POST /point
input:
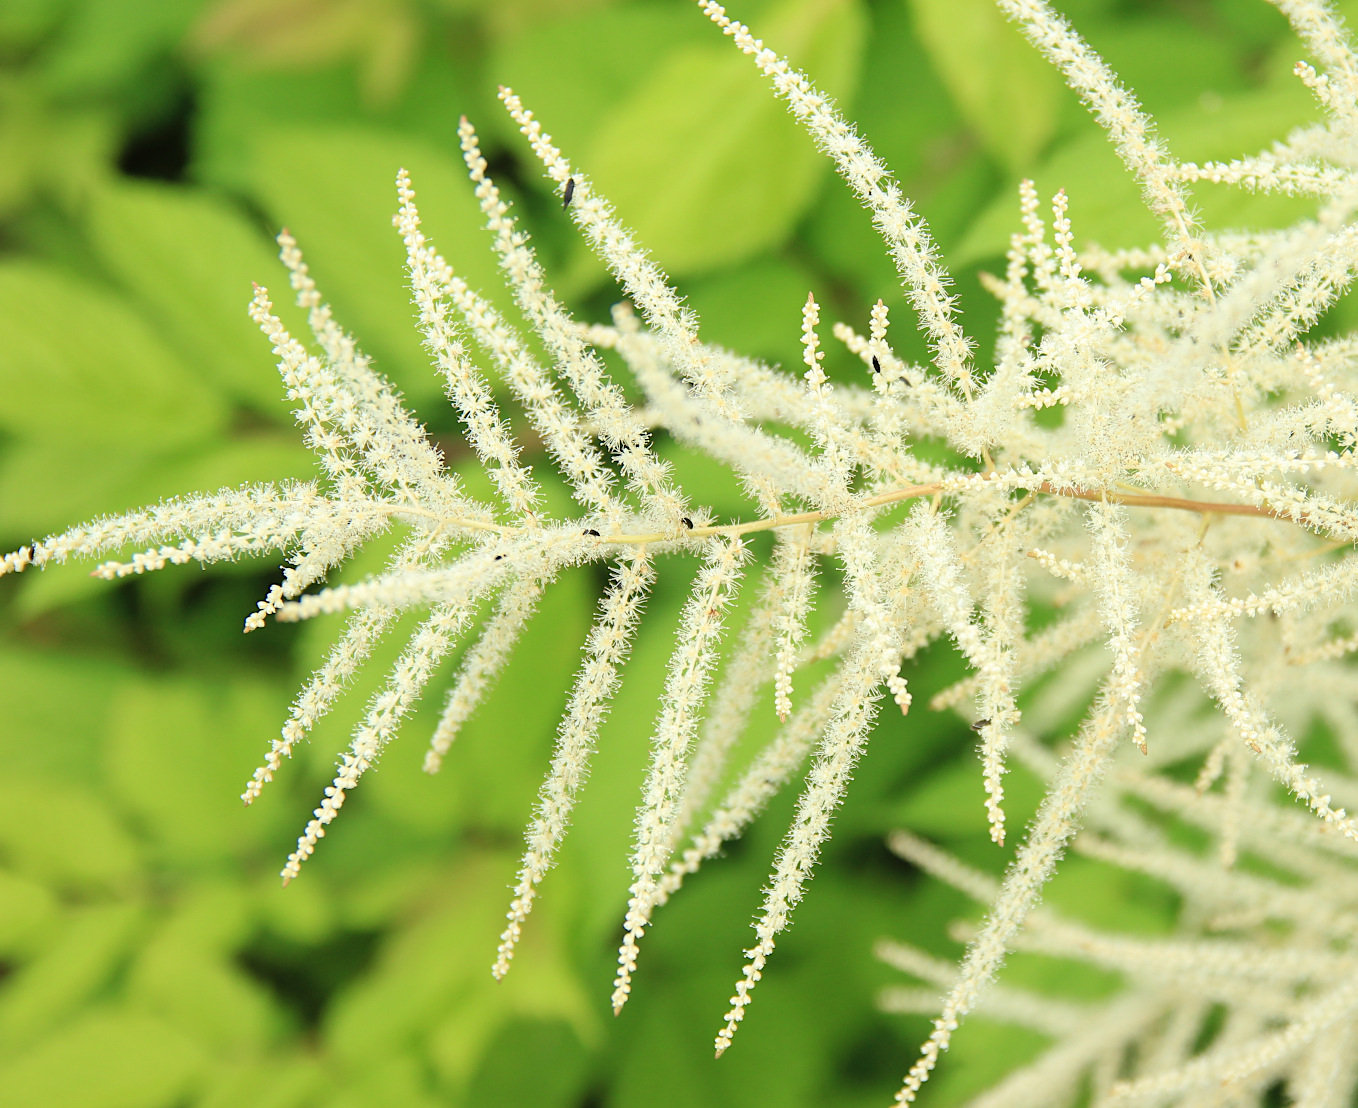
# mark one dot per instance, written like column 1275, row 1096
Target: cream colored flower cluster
column 1189, row 511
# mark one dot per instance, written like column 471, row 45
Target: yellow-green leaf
column 89, row 946
column 189, row 259
column 1009, row 94
column 79, row 365
column 28, row 911
column 64, row 835
column 109, row 1059
column 205, row 996
column 703, row 161
column 178, row 756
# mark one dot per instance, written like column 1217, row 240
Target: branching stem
column 893, row 496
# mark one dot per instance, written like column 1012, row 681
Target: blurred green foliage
column 148, row 150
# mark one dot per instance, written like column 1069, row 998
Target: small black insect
column 980, row 725
column 498, row 557
column 876, row 365
column 591, row 531
column 687, row 522
column 570, row 191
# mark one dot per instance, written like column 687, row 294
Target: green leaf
column 661, row 1055
column 78, row 365
column 702, row 161
column 91, row 944
column 48, row 733
column 190, row 259
column 114, row 1058
column 396, row 1079
column 980, row 1054
column 1008, row 93
column 543, row 997
column 205, row 996
column 44, row 149
column 756, row 309
column 590, row 871
column 1164, row 57
column 785, row 1055
column 26, row 22
column 302, row 912
column 430, row 986
column 426, row 969
column 335, row 188
column 619, row 49
column 920, row 146
column 555, row 1080
column 898, row 70
column 506, row 18
column 28, row 912
column 498, row 760
column 55, row 486
column 64, row 835
column 236, row 98
column 950, row 804
column 466, row 1044
column 841, row 236
column 50, row 486
column 107, row 41
column 1108, row 897
column 180, row 752
column 290, row 1081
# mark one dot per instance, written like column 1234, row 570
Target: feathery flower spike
column 1145, row 509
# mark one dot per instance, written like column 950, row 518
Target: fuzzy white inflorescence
column 1191, row 509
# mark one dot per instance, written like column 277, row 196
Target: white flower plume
column 1191, row 507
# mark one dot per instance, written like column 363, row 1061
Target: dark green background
column 148, row 151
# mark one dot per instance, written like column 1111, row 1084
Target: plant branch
column 912, row 492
